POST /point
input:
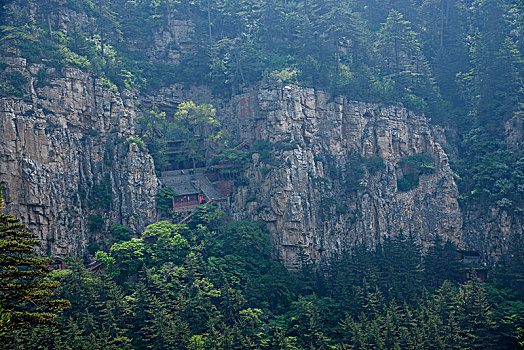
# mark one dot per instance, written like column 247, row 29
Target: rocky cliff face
column 321, row 193
column 65, row 165
column 333, row 180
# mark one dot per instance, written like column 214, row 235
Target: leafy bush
column 418, row 161
column 342, row 209
column 285, row 76
column 95, row 223
column 407, row 183
column 237, row 157
column 320, row 180
column 412, row 167
column 93, row 247
column 101, row 194
column 138, row 141
column 13, row 85
column 164, row 198
column 285, row 145
column 119, row 232
column 375, row 164
column 354, row 173
column 241, row 181
column 327, row 203
column 263, row 148
column 41, row 77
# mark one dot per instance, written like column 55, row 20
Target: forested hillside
column 211, row 284
column 93, row 93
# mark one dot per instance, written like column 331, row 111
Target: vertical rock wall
column 305, row 193
column 57, row 144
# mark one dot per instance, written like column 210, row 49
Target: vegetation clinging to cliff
column 459, row 62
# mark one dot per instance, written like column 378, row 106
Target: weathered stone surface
column 302, row 193
column 172, row 40
column 489, row 231
column 60, row 142
column 66, row 135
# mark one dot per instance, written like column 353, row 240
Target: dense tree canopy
column 211, row 284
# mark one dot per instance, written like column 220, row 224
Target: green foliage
column 241, row 181
column 235, row 158
column 489, row 173
column 101, row 194
column 441, row 263
column 26, row 291
column 95, row 223
column 375, row 164
column 13, row 85
column 342, row 209
column 407, row 183
column 138, row 141
column 164, row 198
column 211, row 283
column 326, row 202
column 119, row 232
column 285, row 76
column 353, row 174
column 41, row 77
column 412, row 167
column 285, row 145
column 93, row 247
column 320, row 180
column 151, row 127
column 419, row 161
column 509, row 273
column 263, row 148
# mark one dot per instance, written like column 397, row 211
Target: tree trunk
column 337, row 56
column 49, row 26
column 168, row 12
column 240, row 71
column 102, row 44
column 209, row 22
column 396, row 56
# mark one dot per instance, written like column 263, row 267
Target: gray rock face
column 489, row 231
column 172, row 40
column 58, row 145
column 317, row 195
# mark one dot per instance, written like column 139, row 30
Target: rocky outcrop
column 172, row 40
column 65, row 165
column 320, row 192
column 489, row 231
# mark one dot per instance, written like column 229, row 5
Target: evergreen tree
column 441, row 263
column 475, row 318
column 26, row 292
column 509, row 272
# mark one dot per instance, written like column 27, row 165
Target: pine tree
column 510, row 268
column 23, row 278
column 477, row 329
column 446, row 310
column 441, row 263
